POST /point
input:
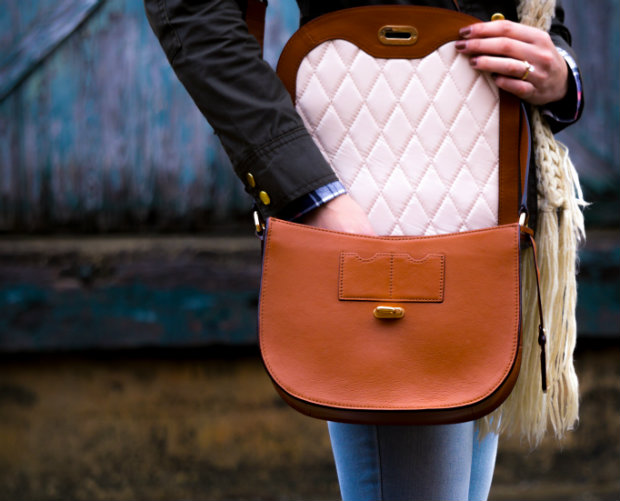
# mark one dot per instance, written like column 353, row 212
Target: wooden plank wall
column 101, row 136
column 97, row 137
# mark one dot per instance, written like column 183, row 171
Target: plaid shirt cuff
column 312, row 200
column 572, row 115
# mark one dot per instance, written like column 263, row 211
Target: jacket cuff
column 313, row 200
column 284, row 169
column 568, row 110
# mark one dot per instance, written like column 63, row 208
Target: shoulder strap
column 255, row 19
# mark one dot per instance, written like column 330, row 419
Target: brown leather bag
column 413, row 330
column 399, row 329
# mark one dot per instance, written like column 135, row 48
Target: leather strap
column 525, row 151
column 528, row 234
column 509, row 159
column 255, row 19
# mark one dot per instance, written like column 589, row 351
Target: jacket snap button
column 250, row 179
column 264, row 197
column 498, row 16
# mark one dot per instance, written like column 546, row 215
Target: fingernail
column 465, row 32
column 473, row 61
column 460, row 45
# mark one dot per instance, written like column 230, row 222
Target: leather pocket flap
column 391, row 277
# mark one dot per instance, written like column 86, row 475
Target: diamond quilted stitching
column 431, row 163
column 364, row 189
column 381, row 101
column 313, row 93
column 364, row 131
column 364, row 70
column 414, row 160
column 449, row 217
column 346, row 154
column 398, row 131
column 400, row 187
column 460, row 66
column 382, row 159
column 434, row 131
column 348, row 101
column 430, row 71
column 381, row 214
column 448, row 101
column 330, row 72
column 331, row 129
column 415, row 101
column 480, row 215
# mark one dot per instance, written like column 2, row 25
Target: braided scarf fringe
column 528, row 410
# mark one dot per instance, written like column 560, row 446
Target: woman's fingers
column 522, row 59
column 498, row 29
column 514, row 68
column 500, row 46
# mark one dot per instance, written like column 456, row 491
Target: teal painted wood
column 36, row 318
column 41, row 37
column 598, row 291
column 112, row 293
column 593, row 141
column 136, row 293
column 101, row 136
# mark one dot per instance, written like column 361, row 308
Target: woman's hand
column 340, row 214
column 508, row 50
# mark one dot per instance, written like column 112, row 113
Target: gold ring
column 529, row 69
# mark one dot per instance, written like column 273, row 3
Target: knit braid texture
column 528, row 411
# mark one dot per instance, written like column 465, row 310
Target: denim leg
column 482, row 466
column 356, row 454
column 393, row 463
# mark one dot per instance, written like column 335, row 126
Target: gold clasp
column 389, row 312
column 398, row 35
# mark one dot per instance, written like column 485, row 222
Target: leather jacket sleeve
column 568, row 110
column 219, row 63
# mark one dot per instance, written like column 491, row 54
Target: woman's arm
column 219, row 63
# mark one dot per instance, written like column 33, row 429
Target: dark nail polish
column 465, row 32
column 460, row 45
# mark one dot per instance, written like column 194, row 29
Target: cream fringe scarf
column 560, row 229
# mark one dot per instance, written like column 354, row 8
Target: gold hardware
column 258, row 223
column 398, row 35
column 251, row 181
column 389, row 312
column 498, row 16
column 264, row 197
column 523, row 219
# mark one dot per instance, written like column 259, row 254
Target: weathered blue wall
column 96, row 132
column 97, row 135
column 594, row 141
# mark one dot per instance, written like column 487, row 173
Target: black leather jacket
column 219, row 63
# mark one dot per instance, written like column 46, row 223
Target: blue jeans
column 406, row 463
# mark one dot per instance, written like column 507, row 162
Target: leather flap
column 332, row 352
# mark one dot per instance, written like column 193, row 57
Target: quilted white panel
column 414, row 141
